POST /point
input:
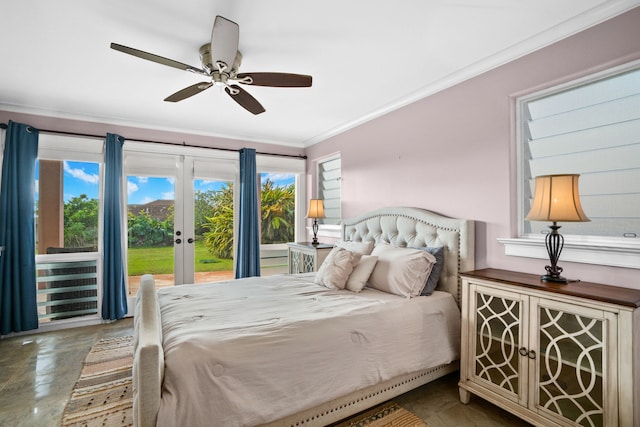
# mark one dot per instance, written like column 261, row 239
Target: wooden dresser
column 553, row 354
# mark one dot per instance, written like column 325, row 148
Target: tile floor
column 37, row 374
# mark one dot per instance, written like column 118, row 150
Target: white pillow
column 362, row 248
column 358, row 278
column 336, row 268
column 400, row 271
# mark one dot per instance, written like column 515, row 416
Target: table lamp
column 316, row 210
column 556, row 199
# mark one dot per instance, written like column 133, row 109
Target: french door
column 173, row 202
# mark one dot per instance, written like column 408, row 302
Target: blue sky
column 143, row 190
column 79, row 178
column 83, row 178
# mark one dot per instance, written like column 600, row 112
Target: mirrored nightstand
column 305, row 257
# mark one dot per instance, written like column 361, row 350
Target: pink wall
column 454, row 153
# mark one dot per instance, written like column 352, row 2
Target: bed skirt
column 341, row 408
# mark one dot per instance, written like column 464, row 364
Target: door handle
column 190, row 240
column 178, row 241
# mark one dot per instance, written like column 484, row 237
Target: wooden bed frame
column 410, row 227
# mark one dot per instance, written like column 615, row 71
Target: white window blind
column 329, row 176
column 592, row 129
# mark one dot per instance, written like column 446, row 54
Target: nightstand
column 553, row 354
column 304, row 257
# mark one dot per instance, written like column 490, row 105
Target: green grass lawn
column 159, row 260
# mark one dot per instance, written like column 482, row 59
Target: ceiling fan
column 220, row 63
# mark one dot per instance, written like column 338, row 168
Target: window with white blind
column 589, row 127
column 329, row 176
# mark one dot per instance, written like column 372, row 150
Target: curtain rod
column 184, row 144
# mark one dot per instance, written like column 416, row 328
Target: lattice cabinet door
column 308, row 263
column 295, row 262
column 305, row 257
column 497, row 338
column 554, row 355
column 574, row 369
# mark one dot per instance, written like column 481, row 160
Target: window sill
column 600, row 253
column 332, row 231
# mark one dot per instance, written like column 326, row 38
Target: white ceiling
column 367, row 57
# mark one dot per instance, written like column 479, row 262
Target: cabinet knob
column 522, row 351
column 532, row 354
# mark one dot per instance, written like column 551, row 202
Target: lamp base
column 314, row 242
column 553, row 279
column 554, row 243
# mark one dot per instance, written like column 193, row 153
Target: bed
column 272, row 368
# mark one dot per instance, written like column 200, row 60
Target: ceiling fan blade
column 156, row 58
column 245, row 99
column 224, row 41
column 188, row 91
column 277, row 79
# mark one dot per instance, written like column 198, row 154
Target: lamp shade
column 316, row 208
column 557, row 198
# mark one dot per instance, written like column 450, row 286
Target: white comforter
column 246, row 352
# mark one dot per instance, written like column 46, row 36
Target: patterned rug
column 389, row 414
column 102, row 397
column 103, row 394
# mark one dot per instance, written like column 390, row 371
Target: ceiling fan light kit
column 216, row 57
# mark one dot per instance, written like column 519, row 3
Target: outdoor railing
column 273, row 259
column 67, row 289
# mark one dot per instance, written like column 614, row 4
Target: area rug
column 389, row 414
column 102, row 397
column 103, row 394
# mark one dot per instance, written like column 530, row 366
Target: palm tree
column 219, row 237
column 278, row 212
column 277, row 218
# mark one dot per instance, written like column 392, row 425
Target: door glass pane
column 498, row 341
column 67, row 223
column 150, row 207
column 213, row 228
column 277, row 204
column 570, row 367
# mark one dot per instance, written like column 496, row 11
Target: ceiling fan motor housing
column 207, row 62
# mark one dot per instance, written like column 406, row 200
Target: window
column 282, row 207
column 329, row 177
column 68, row 205
column 589, row 127
column 278, row 207
column 277, row 194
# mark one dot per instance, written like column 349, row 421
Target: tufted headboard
column 415, row 228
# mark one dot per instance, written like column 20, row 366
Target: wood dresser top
column 595, row 291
